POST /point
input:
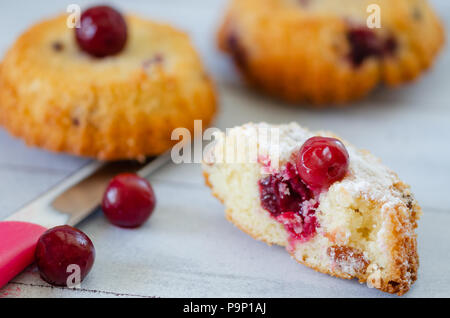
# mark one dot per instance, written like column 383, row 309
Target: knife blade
column 69, row 202
column 80, row 194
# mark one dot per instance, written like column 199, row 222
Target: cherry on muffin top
column 102, row 32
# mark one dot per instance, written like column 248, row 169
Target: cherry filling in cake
column 290, row 202
column 237, row 50
column 365, row 43
column 291, row 196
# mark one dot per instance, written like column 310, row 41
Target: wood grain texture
column 188, row 248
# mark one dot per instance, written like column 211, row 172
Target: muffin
column 57, row 94
column 324, row 51
column 335, row 208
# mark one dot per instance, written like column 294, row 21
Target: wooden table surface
column 188, row 249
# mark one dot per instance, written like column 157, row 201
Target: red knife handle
column 17, row 245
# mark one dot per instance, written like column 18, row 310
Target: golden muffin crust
column 300, row 50
column 55, row 96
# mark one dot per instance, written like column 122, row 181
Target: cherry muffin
column 324, row 51
column 335, row 208
column 114, row 88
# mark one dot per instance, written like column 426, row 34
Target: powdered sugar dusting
column 367, row 178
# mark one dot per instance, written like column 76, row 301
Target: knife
column 69, row 202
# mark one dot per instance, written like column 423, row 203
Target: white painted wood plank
column 18, row 187
column 188, row 249
column 15, row 154
column 20, row 290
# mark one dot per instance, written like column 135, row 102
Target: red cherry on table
column 58, row 249
column 322, row 161
column 102, row 31
column 129, row 200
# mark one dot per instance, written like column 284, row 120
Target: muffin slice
column 336, row 209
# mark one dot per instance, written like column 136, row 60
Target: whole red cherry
column 102, row 31
column 58, row 249
column 129, row 200
column 322, row 161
